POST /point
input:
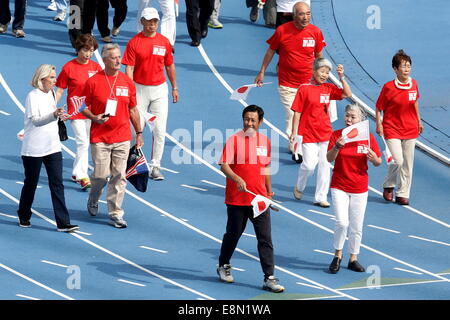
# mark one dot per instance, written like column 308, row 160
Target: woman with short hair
column 312, row 122
column 73, row 76
column 401, row 126
column 349, row 187
column 41, row 145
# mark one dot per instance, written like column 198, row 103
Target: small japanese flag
column 151, row 120
column 176, row 8
column 356, row 132
column 332, row 111
column 261, row 3
column 242, row 92
column 298, row 141
column 260, row 205
column 387, row 154
column 21, row 134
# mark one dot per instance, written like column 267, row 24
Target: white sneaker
column 323, row 204
column 297, row 194
column 115, row 31
column 118, row 222
column 60, row 16
column 52, row 6
column 224, row 273
column 271, row 284
column 156, row 174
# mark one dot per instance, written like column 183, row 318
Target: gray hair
column 356, row 107
column 294, row 7
column 43, row 71
column 108, row 47
column 322, row 62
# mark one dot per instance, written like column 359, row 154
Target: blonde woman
column 41, row 145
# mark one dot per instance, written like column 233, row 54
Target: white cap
column 150, row 13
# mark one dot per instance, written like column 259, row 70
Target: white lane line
column 213, row 184
column 5, row 113
column 392, row 285
column 309, row 285
column 131, row 282
column 21, row 182
column 54, row 264
column 26, row 297
column 17, row 273
column 85, row 233
column 168, row 170
column 324, row 252
column 102, row 201
column 153, row 249
column 384, row 229
column 95, row 245
column 249, row 235
column 322, row 213
column 429, row 240
column 238, row 269
column 320, row 298
column 409, row 271
column 8, row 216
column 192, row 187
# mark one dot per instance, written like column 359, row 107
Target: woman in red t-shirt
column 73, row 76
column 312, row 122
column 401, row 125
column 349, row 187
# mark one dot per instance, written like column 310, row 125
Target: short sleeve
column 336, row 93
column 63, row 78
column 129, row 56
column 381, row 99
column 320, row 42
column 168, row 58
column 229, row 151
column 274, row 40
column 374, row 146
column 133, row 101
column 297, row 104
column 333, row 139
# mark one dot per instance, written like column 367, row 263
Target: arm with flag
column 78, row 104
column 242, row 91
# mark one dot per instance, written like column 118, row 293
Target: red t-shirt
column 97, row 92
column 399, row 113
column 72, row 77
column 350, row 167
column 297, row 49
column 312, row 101
column 148, row 55
column 248, row 157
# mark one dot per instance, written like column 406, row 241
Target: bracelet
column 336, row 148
column 343, row 78
column 271, row 194
column 140, row 132
column 174, row 88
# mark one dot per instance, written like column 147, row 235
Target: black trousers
column 96, row 9
column 53, row 166
column 198, row 13
column 120, row 11
column 20, row 7
column 237, row 220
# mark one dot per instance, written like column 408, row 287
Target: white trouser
column 168, row 21
column 287, row 96
column 216, row 11
column 349, row 209
column 81, row 129
column 154, row 99
column 315, row 154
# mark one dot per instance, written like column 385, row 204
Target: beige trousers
column 399, row 174
column 287, row 96
column 110, row 164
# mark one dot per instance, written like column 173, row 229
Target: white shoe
column 156, row 174
column 224, row 273
column 52, row 6
column 272, row 284
column 323, row 204
column 297, row 194
column 115, row 31
column 60, row 16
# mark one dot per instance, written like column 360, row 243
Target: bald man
column 295, row 61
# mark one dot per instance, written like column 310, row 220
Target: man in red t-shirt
column 298, row 43
column 111, row 101
column 145, row 57
column 245, row 161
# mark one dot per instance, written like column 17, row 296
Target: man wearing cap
column 145, row 57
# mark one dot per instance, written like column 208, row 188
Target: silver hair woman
column 349, row 186
column 41, row 145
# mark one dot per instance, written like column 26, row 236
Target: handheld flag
column 151, row 120
column 298, row 141
column 78, row 104
column 137, row 169
column 261, row 3
column 387, row 154
column 176, row 8
column 242, row 92
column 356, row 132
column 332, row 111
column 260, row 205
column 21, row 134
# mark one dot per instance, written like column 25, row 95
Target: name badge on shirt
column 111, row 106
column 159, row 50
column 412, row 95
column 309, row 43
column 324, row 98
column 261, row 151
column 362, row 148
column 122, row 92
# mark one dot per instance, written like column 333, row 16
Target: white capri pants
column 81, row 129
column 168, row 20
column 315, row 154
column 154, row 99
column 349, row 209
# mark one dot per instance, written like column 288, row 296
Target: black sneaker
column 355, row 266
column 24, row 224
column 68, row 228
column 335, row 265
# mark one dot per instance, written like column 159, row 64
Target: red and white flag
column 387, row 153
column 150, row 119
column 357, row 132
column 242, row 92
column 261, row 3
column 21, row 134
column 78, row 105
column 176, row 8
column 260, row 205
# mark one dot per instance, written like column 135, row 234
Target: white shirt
column 41, row 136
column 287, row 5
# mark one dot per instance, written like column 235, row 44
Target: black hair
column 253, row 108
column 399, row 57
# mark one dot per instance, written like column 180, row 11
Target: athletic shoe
column 118, row 222
column 224, row 273
column 107, row 39
column 68, row 228
column 254, row 14
column 18, row 33
column 355, row 266
column 271, row 284
column 74, row 179
column 3, row 28
column 52, row 6
column 60, row 16
column 323, row 204
column 115, row 31
column 215, row 24
column 335, row 265
column 24, row 224
column 156, row 174
column 85, row 183
column 297, row 194
column 92, row 208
